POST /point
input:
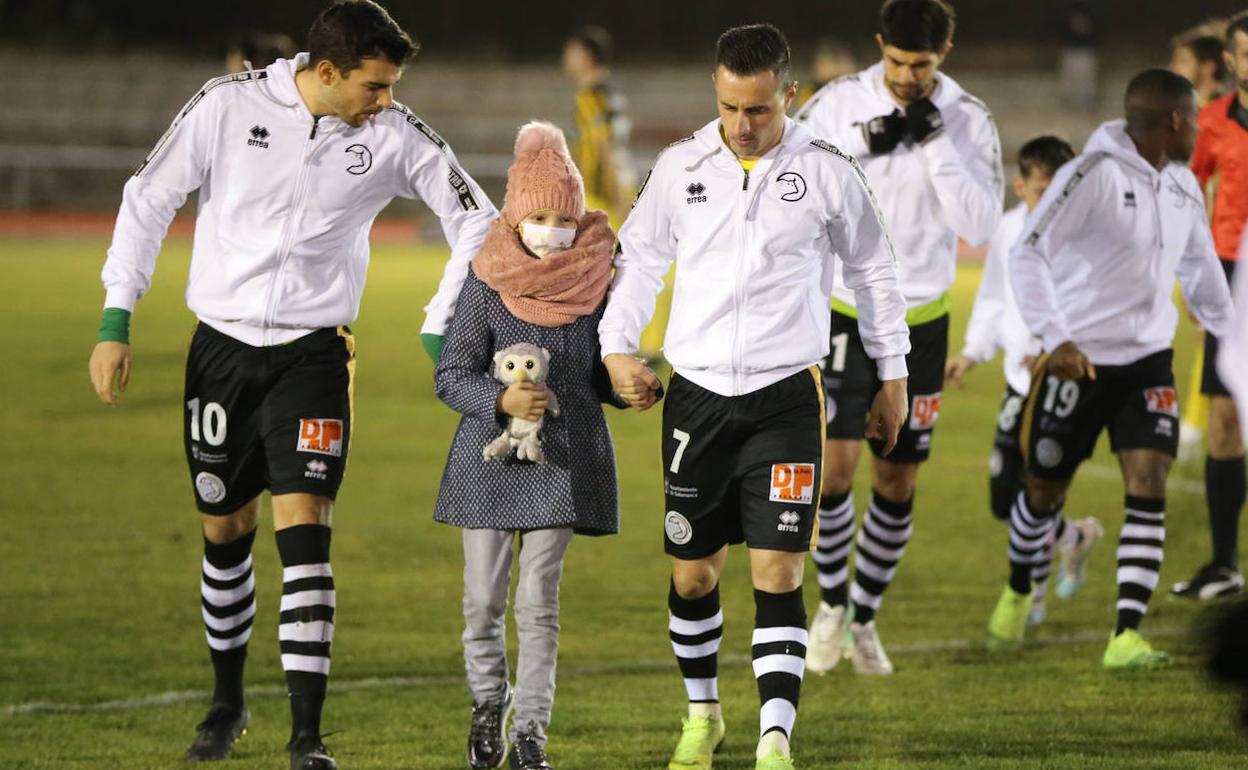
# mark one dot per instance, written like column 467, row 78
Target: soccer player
column 1093, row 276
column 931, row 153
column 1222, row 151
column 755, row 211
column 292, row 162
column 995, row 323
column 602, row 126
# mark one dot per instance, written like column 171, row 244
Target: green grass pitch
column 99, row 566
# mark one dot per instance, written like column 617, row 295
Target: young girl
column 539, row 278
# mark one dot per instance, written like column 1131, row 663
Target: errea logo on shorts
column 789, row 521
column 320, row 436
column 792, row 483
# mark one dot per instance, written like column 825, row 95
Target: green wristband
column 115, row 326
column 433, row 346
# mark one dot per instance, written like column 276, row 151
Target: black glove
column 923, row 120
column 885, row 132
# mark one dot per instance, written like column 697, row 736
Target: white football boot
column 825, row 645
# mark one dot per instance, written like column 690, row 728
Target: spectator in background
column 831, row 61
column 1198, row 57
column 602, row 128
column 256, row 50
column 1079, row 64
column 601, row 150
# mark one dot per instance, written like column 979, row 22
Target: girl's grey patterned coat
column 577, row 487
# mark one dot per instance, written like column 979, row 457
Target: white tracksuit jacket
column 754, row 260
column 929, row 194
column 995, row 321
column 1233, row 348
column 1098, row 257
column 285, row 206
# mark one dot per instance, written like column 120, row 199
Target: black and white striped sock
column 306, row 627
column 1043, row 566
column 695, row 627
column 836, row 538
column 1029, row 536
column 1140, row 550
column 227, row 591
column 881, row 543
column 779, row 651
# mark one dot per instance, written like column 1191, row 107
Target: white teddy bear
column 521, row 362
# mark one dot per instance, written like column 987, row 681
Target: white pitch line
column 174, row 697
column 1186, row 486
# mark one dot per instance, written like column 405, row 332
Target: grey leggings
column 487, row 577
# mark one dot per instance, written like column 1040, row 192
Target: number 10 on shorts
column 792, row 483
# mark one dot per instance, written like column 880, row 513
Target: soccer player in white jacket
column 931, row 153
column 996, row 323
column 1093, row 276
column 292, row 164
column 755, row 212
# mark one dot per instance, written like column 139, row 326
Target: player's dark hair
column 917, row 25
column 1044, row 155
column 1206, row 49
column 1153, row 95
column 1237, row 23
column 752, row 49
column 263, row 48
column 597, row 43
column 351, row 30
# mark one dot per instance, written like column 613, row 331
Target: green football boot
column 1008, row 623
column 1130, row 650
column 700, row 738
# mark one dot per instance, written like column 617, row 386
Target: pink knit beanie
column 543, row 175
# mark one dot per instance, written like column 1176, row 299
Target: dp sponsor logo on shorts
column 923, row 411
column 792, row 483
column 320, row 436
column 677, row 528
column 1162, row 400
column 210, row 487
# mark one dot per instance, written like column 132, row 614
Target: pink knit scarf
column 553, row 291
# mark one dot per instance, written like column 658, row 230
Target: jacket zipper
column 743, row 269
column 288, row 231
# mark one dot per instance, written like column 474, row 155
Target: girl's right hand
column 524, row 400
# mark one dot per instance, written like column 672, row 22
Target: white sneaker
column 826, row 641
column 1072, row 569
column 1038, row 609
column 1038, row 612
column 867, row 653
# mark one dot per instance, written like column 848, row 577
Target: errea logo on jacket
column 258, row 135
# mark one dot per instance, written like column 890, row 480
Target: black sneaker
column 1209, row 582
column 527, row 753
column 308, row 753
column 487, row 741
column 220, row 730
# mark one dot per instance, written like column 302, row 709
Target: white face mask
column 543, row 240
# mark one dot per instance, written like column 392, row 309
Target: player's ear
column 1018, row 186
column 326, row 72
